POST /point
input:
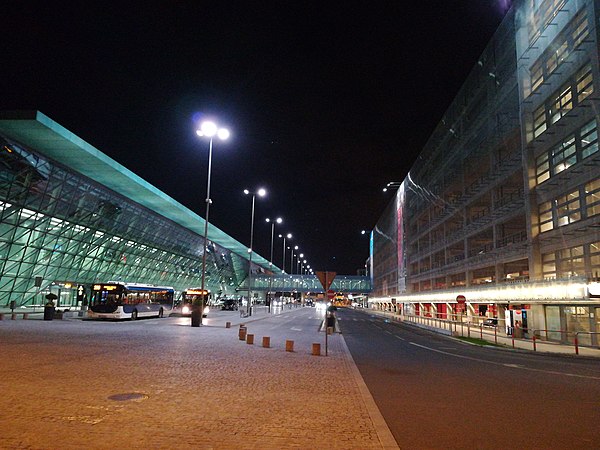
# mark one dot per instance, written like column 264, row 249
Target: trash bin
column 49, row 311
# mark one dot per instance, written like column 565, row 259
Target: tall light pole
column 292, row 260
column 209, row 130
column 278, row 220
column 288, row 236
column 261, row 193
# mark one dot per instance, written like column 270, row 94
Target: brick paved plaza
column 163, row 384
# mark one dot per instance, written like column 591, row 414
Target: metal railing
column 468, row 328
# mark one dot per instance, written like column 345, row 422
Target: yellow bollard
column 289, row 346
column 316, row 349
column 242, row 333
column 266, row 342
column 250, row 339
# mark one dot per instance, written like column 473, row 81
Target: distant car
column 229, row 305
column 490, row 323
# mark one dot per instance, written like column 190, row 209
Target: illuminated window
column 589, row 139
column 543, row 17
column 545, row 213
column 559, row 104
column 549, row 265
column 595, row 259
column 571, row 262
column 568, row 208
column 585, row 85
column 564, row 155
column 542, row 168
column 592, row 198
column 539, row 121
column 573, row 149
column 559, row 50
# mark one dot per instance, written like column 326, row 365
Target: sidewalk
column 541, row 346
column 163, row 384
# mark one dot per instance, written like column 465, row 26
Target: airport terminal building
column 70, row 217
column 500, row 215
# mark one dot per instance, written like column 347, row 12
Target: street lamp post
column 261, row 193
column 278, row 220
column 288, row 236
column 209, row 130
column 292, row 260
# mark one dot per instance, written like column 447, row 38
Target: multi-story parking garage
column 500, row 215
column 70, row 216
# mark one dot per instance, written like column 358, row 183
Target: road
column 438, row 392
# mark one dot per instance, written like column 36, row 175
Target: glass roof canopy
column 35, row 129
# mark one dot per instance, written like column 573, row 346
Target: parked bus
column 115, row 300
column 183, row 306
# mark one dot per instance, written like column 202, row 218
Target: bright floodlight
column 279, row 220
column 262, row 192
column 246, row 191
column 223, row 134
column 289, row 235
column 208, row 129
column 296, row 247
column 302, row 256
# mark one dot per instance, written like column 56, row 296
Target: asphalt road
column 438, row 392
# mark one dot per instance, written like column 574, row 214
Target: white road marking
column 515, row 366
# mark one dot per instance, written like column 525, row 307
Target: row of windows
column 583, row 260
column 569, row 95
column 573, row 149
column 560, row 49
column 578, row 204
column 547, row 11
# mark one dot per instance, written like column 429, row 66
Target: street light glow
column 208, row 129
column 262, row 192
column 223, row 134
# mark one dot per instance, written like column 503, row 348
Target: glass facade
column 505, row 195
column 61, row 231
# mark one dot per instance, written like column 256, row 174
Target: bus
column 116, row 300
column 183, row 306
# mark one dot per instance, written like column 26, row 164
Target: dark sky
column 327, row 101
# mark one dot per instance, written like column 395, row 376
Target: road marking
column 514, row 366
column 296, row 329
column 402, row 339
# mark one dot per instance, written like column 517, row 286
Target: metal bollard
column 227, row 324
column 316, row 349
column 289, row 346
column 250, row 339
column 266, row 341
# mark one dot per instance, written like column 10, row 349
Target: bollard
column 1, row 316
column 249, row 339
column 266, row 341
column 289, row 346
column 13, row 316
column 25, row 316
column 242, row 333
column 316, row 349
column 227, row 324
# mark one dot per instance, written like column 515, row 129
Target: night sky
column 326, row 101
